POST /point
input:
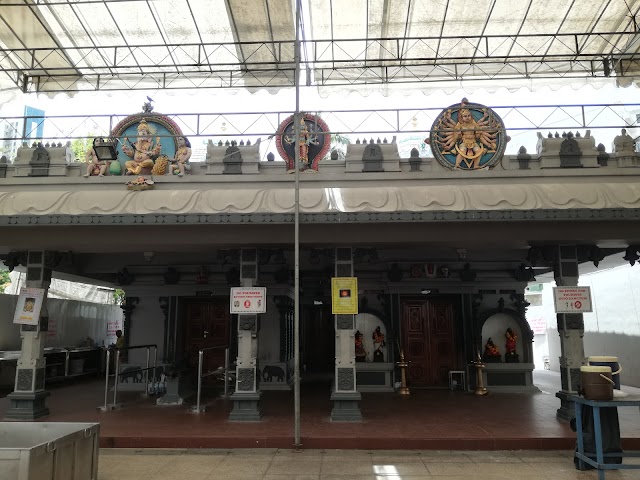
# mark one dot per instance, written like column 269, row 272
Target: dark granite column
column 345, row 396
column 571, row 330
column 27, row 402
column 246, row 398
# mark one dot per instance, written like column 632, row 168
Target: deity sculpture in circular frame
column 314, row 142
column 468, row 136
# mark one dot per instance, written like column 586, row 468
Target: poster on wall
column 572, row 299
column 344, row 295
column 29, row 306
column 248, row 300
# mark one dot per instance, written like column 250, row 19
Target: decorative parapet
column 58, row 164
column 359, row 159
column 229, row 158
column 561, row 151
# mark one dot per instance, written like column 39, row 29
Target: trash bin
column 610, row 427
column 49, row 451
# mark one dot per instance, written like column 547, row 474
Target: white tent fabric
column 87, row 45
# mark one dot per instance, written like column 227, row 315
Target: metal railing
column 114, row 405
column 201, row 409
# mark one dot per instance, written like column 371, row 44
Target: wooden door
column 207, row 325
column 319, row 339
column 428, row 333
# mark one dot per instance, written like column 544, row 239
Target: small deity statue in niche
column 361, row 353
column 305, row 138
column 181, row 159
column 143, row 151
column 94, row 165
column 511, row 356
column 378, row 345
column 491, row 352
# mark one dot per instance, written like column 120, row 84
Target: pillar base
column 567, row 410
column 246, row 407
column 346, row 407
column 27, row 406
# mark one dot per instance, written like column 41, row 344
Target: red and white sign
column 538, row 325
column 248, row 300
column 572, row 299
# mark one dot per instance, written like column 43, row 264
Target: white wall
column 147, row 328
column 70, row 322
column 613, row 328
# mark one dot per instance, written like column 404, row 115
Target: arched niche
column 366, row 323
column 494, row 323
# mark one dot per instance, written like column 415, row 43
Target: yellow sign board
column 344, row 295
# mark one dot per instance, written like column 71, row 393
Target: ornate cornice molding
column 325, row 218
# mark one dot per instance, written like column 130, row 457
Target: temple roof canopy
column 54, row 46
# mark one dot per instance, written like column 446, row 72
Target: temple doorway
column 319, row 344
column 428, row 335
column 207, row 324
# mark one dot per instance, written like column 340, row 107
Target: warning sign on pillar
column 248, row 300
column 572, row 299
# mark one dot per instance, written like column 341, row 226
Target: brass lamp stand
column 480, row 388
column 403, row 365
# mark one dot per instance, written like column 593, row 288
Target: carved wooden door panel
column 416, row 347
column 207, row 325
column 442, row 346
column 428, row 341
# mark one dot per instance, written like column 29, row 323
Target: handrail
column 198, row 408
column 117, row 374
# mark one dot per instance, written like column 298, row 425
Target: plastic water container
column 611, row 362
column 596, row 382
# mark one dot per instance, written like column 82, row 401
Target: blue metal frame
column 631, row 401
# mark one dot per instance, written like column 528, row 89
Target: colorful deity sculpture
column 511, row 356
column 181, row 159
column 143, row 151
column 491, row 352
column 305, row 138
column 378, row 345
column 94, row 165
column 361, row 353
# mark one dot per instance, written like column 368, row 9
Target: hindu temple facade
column 442, row 248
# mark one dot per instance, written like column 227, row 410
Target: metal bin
column 49, row 451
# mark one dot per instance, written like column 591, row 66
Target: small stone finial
column 570, row 135
column 248, row 143
column 464, row 100
column 601, row 147
column 522, row 150
column 47, row 145
column 242, row 143
column 385, row 140
column 4, row 160
column 334, row 154
column 270, row 157
column 523, row 158
column 357, row 141
column 378, row 141
column 578, row 135
column 603, row 156
column 59, row 144
column 550, row 135
column 371, row 141
column 34, row 145
column 227, row 143
column 557, row 135
column 415, row 153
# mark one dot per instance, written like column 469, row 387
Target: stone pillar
column 345, row 396
column 246, row 398
column 571, row 330
column 27, row 402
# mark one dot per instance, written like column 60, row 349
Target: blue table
column 629, row 401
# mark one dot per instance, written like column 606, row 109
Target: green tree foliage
column 5, row 280
column 80, row 147
column 118, row 296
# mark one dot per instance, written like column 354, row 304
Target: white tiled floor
column 275, row 464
